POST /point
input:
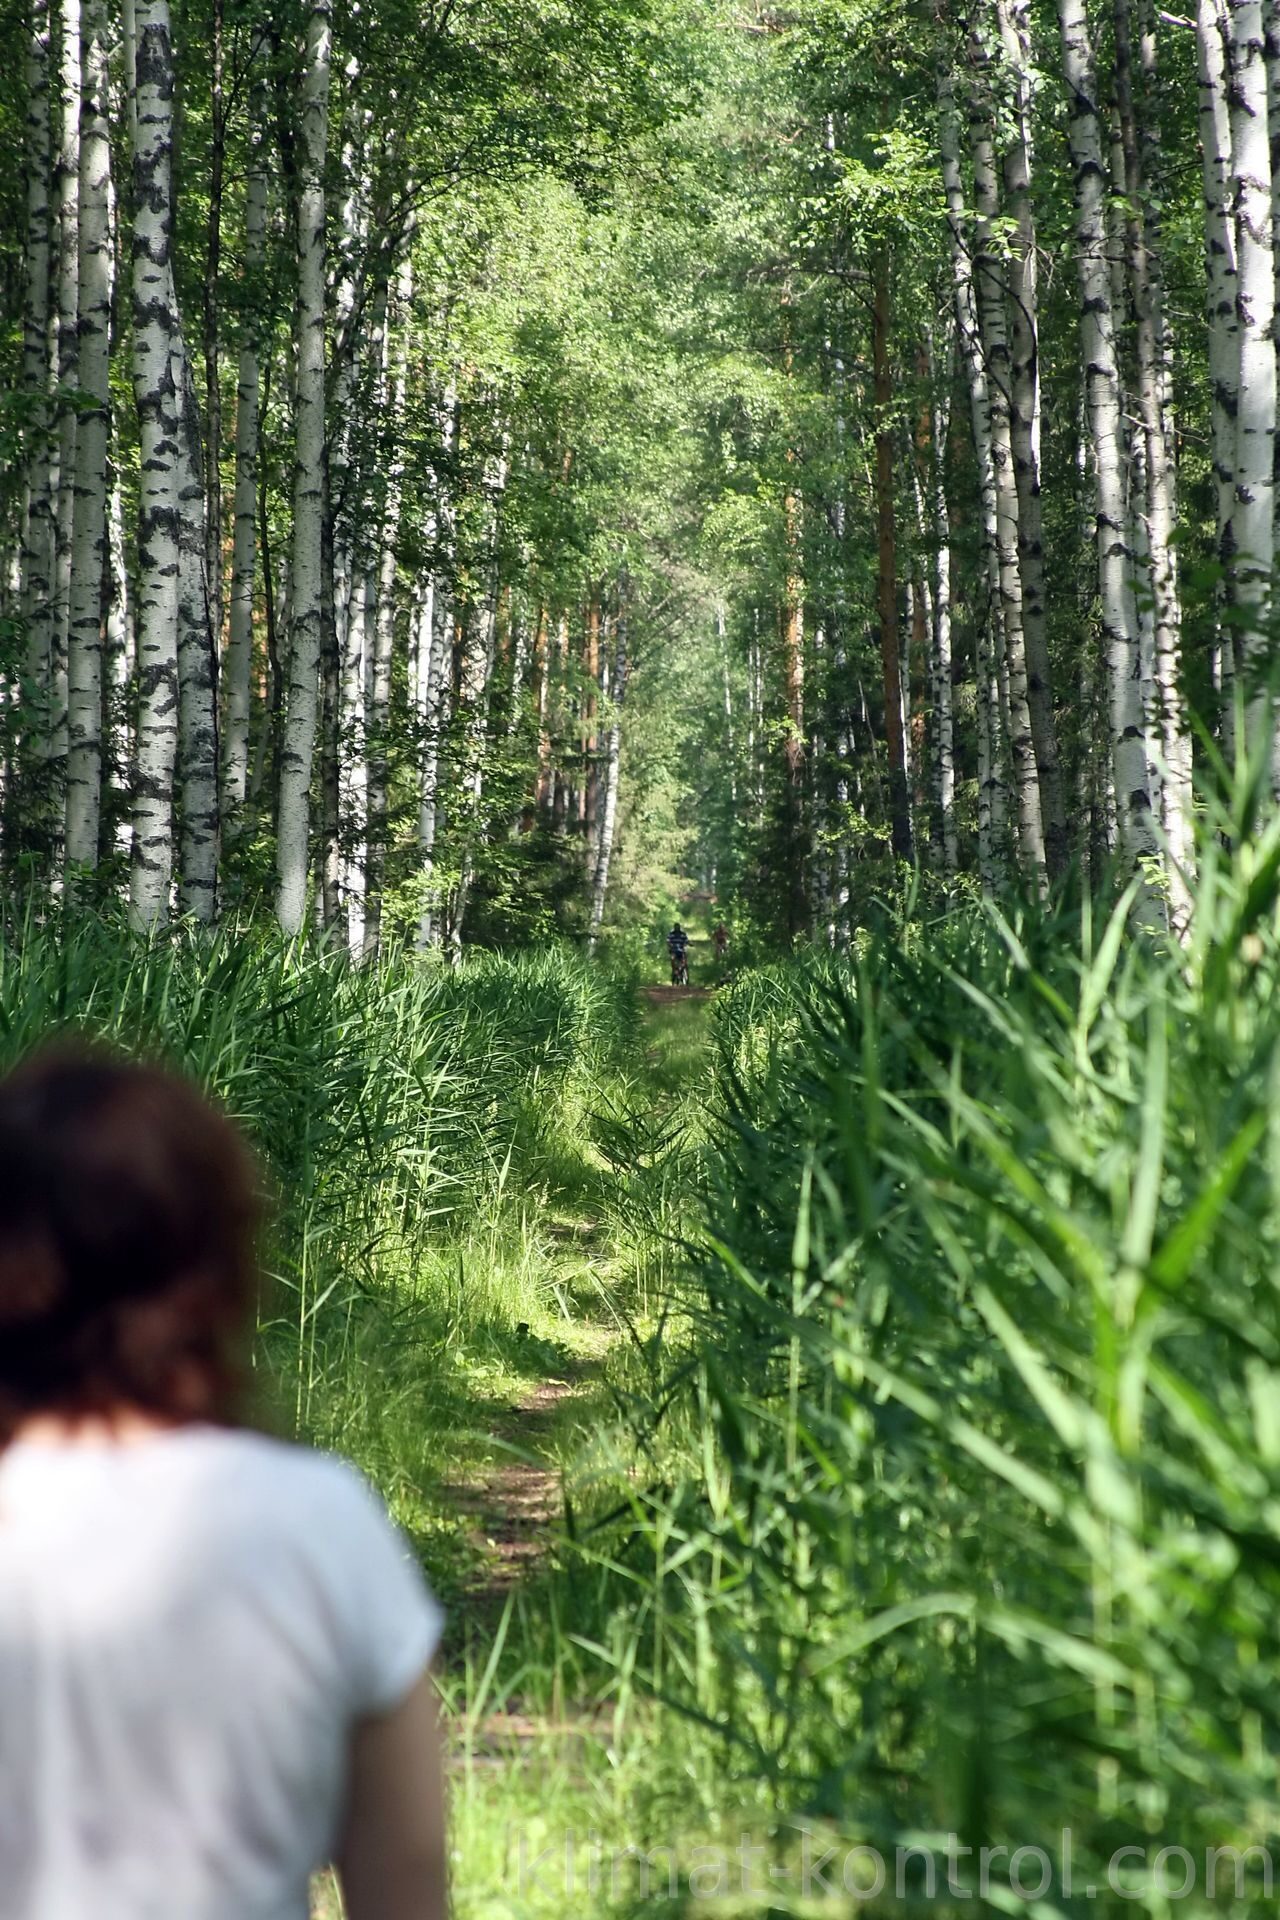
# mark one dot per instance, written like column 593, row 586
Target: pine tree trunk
column 1250, row 535
column 1024, row 393
column 989, row 285
column 39, row 534
column 89, row 557
column 298, row 749
column 991, row 808
column 155, row 328
column 1102, row 390
column 238, row 663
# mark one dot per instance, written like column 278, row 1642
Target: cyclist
column 720, row 940
column 678, row 948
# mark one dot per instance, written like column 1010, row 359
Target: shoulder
column 300, row 1482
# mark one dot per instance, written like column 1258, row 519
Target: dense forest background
column 467, row 478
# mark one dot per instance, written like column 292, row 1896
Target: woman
column 213, row 1648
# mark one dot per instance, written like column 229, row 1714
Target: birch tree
column 38, row 531
column 1013, row 19
column 1220, row 273
column 67, row 182
column 989, row 286
column 1102, row 398
column 612, row 762
column 237, row 704
column 1250, row 535
column 969, row 339
column 298, row 748
column 155, row 327
column 89, row 554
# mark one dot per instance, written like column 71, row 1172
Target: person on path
column 678, row 948
column 214, row 1646
column 720, row 940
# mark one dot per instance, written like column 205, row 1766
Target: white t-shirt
column 189, row 1627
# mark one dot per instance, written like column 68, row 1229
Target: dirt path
column 513, row 1499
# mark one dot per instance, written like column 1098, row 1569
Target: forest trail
column 511, row 1495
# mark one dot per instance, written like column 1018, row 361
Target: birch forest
column 481, row 483
column 458, row 472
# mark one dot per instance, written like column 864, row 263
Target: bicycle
column 680, row 969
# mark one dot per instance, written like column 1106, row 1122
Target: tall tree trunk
column 68, row 189
column 590, row 736
column 1250, row 536
column 1159, row 504
column 39, row 534
column 935, row 514
column 156, row 326
column 197, row 668
column 89, row 558
column 991, row 807
column 1220, row 268
column 1102, row 390
column 435, row 644
column 989, row 282
column 378, row 685
column 213, row 320
column 474, row 678
column 1024, row 394
column 294, row 834
column 612, row 764
column 238, row 663
column 887, row 567
column 331, row 902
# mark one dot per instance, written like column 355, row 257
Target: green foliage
column 973, row 1526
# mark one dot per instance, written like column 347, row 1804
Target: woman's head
column 128, row 1211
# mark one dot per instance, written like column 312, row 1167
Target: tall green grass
column 414, row 1124
column 967, row 1515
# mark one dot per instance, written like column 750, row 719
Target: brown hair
column 128, row 1217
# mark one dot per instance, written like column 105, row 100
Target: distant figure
column 678, row 948
column 720, row 940
column 213, row 1645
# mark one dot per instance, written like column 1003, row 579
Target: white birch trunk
column 294, row 832
column 435, row 644
column 612, row 768
column 989, row 283
column 121, row 660
column 479, row 639
column 155, row 322
column 944, row 758
column 1171, row 764
column 378, row 683
column 990, row 755
column 1250, row 535
column 1102, row 390
column 1013, row 17
column 38, row 533
column 1220, row 269
column 238, row 665
column 197, row 667
column 89, row 556
column 68, row 279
